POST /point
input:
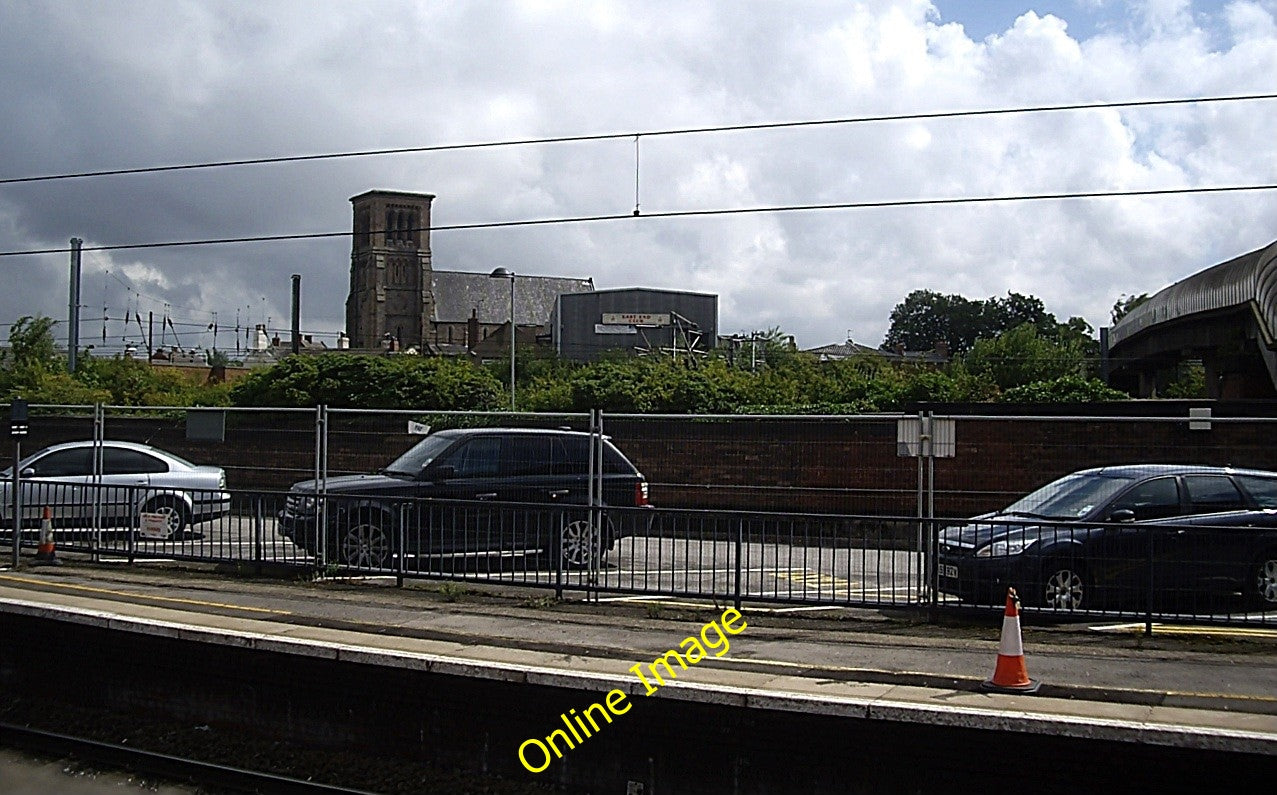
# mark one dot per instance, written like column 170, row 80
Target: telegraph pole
column 73, row 314
column 297, row 313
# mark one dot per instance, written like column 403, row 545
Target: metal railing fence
column 806, row 510
column 1220, row 568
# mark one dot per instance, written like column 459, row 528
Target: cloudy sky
column 119, row 84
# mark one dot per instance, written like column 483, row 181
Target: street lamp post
column 506, row 273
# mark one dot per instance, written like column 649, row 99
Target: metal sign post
column 926, row 437
column 17, row 429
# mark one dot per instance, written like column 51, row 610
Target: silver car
column 81, row 488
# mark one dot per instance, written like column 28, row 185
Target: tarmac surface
column 1209, row 688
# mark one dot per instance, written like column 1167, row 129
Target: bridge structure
column 1224, row 316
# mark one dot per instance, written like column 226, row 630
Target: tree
column 32, row 368
column 31, row 345
column 1003, row 314
column 1065, row 389
column 1022, row 356
column 1189, row 382
column 925, row 318
column 1123, row 306
column 125, row 381
column 351, row 381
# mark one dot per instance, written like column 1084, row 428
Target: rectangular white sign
column 911, row 442
column 600, row 328
column 635, row 319
column 154, row 525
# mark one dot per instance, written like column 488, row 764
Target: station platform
column 1213, row 689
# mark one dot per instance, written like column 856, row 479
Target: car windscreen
column 412, row 462
column 1070, row 497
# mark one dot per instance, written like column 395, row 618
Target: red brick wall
column 821, row 465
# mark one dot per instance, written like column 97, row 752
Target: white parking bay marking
column 816, row 579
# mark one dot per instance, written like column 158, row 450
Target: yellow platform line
column 1186, row 629
column 111, row 592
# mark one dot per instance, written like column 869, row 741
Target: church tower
column 390, row 292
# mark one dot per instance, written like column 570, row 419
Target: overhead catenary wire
column 159, row 301
column 670, row 213
column 676, row 131
column 775, row 208
column 612, row 217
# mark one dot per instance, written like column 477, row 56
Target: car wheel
column 1064, row 587
column 176, row 515
column 365, row 542
column 1265, row 581
column 581, row 544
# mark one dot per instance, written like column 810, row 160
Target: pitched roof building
column 470, row 307
column 939, row 354
column 398, row 300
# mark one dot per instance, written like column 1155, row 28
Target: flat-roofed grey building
column 634, row 320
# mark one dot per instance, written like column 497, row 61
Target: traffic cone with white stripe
column 1011, row 675
column 45, row 554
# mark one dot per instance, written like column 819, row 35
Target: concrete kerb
column 1166, row 726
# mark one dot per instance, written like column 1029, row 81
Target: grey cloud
column 130, row 84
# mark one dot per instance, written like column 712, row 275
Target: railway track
column 172, row 768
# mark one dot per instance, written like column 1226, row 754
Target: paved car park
column 637, row 566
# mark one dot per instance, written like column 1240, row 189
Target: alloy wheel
column 1064, row 590
column 580, row 540
column 366, row 546
column 1266, row 581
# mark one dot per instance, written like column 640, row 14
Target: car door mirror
column 28, row 472
column 441, row 472
column 1122, row 515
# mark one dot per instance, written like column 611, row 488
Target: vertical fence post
column 321, row 503
column 1148, row 595
column 598, row 517
column 927, row 448
column 923, row 560
column 259, row 532
column 558, row 553
column 99, row 436
column 135, row 524
column 740, row 545
column 400, row 536
column 17, row 500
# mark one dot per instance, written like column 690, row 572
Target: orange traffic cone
column 1011, row 675
column 45, row 554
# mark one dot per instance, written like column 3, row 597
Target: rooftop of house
column 939, row 354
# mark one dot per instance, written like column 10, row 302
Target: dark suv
column 474, row 491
